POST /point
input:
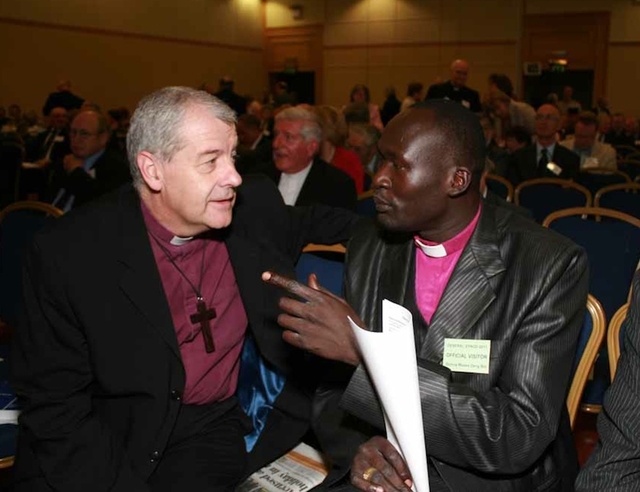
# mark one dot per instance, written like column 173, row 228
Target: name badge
column 462, row 355
column 554, row 168
column 59, row 138
column 466, row 104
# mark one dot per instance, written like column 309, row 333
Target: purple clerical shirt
column 434, row 266
column 209, row 376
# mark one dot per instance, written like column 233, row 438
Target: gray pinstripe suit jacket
column 522, row 287
column 615, row 463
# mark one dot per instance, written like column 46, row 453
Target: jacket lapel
column 470, row 291
column 139, row 277
column 395, row 278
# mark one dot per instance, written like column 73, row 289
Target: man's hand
column 320, row 324
column 379, row 467
column 71, row 162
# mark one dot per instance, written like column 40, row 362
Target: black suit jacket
column 466, row 96
column 325, row 184
column 38, row 147
column 615, row 462
column 524, row 288
column 111, row 170
column 523, row 164
column 96, row 362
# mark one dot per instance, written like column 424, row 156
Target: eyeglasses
column 552, row 117
column 81, row 133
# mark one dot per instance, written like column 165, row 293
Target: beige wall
column 116, row 51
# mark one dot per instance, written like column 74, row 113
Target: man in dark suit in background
column 615, row 463
column 466, row 270
column 254, row 147
column 91, row 169
column 456, row 88
column 546, row 158
column 62, row 98
column 226, row 94
column 302, row 177
column 138, row 306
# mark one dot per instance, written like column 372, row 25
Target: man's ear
column 460, row 181
column 150, row 169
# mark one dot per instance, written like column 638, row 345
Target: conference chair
column 327, row 262
column 595, row 178
column 589, row 341
column 624, row 197
column 630, row 166
column 18, row 223
column 500, row 186
column 623, row 151
column 615, row 335
column 366, row 205
column 543, row 196
column 612, row 250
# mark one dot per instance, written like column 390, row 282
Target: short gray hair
column 156, row 123
column 311, row 129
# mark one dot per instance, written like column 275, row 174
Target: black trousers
column 206, row 451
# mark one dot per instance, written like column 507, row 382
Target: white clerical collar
column 179, row 241
column 436, row 251
column 290, row 184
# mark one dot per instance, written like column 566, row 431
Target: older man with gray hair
column 145, row 319
column 302, row 177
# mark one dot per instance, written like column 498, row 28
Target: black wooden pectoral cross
column 203, row 316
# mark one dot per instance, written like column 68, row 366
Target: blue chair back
column 18, row 224
column 542, row 196
column 328, row 267
column 630, row 166
column 622, row 197
column 500, row 186
column 595, row 179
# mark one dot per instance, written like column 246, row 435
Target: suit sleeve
column 52, row 375
column 615, row 463
column 506, row 428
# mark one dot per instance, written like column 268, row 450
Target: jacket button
column 155, row 456
column 176, row 395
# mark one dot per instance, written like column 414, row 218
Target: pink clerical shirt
column 209, row 376
column 434, row 266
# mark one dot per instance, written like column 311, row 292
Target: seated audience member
column 466, row 270
column 569, row 120
column 391, row 105
column 604, row 127
column 415, row 93
column 510, row 113
column 118, row 126
column 632, row 130
column 91, row 169
column 302, row 176
column 618, row 135
column 568, row 101
column 499, row 156
column 613, row 465
column 516, row 138
column 254, row 147
column 62, row 98
column 501, row 82
column 591, row 152
column 456, row 88
column 127, row 361
column 53, row 143
column 229, row 96
column 360, row 94
column 546, row 158
column 356, row 112
column 332, row 148
column 363, row 140
column 602, row 107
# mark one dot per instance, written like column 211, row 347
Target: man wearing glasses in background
column 91, row 168
column 546, row 158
